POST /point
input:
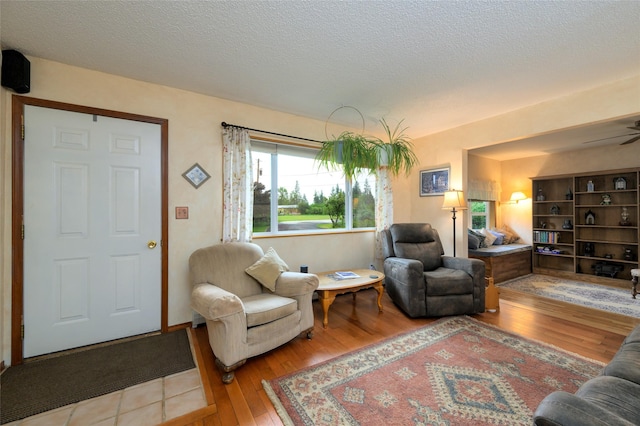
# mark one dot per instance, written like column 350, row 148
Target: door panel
column 125, row 201
column 92, row 201
column 71, row 186
column 71, row 298
column 126, row 283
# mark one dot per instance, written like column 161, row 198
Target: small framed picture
column 196, row 175
column 434, row 182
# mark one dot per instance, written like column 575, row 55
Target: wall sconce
column 516, row 197
column 454, row 200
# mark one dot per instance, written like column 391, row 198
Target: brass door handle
column 152, row 244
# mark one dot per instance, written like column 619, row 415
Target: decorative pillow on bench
column 499, row 237
column 510, row 236
column 488, row 237
column 476, row 240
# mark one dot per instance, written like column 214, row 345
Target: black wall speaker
column 16, row 71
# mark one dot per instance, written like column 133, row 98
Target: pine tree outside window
column 308, row 199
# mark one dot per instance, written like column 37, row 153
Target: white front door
column 92, row 212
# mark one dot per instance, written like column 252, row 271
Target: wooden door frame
column 17, row 209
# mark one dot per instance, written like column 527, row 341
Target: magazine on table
column 345, row 275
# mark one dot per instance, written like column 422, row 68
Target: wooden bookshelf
column 578, row 226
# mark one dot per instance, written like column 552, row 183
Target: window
column 306, row 198
column 480, row 214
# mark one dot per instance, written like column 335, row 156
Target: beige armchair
column 244, row 317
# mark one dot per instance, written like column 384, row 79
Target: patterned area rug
column 454, row 371
column 611, row 299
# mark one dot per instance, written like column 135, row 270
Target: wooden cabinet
column 587, row 224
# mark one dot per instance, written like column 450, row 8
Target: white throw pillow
column 489, row 237
column 267, row 270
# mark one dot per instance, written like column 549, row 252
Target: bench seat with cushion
column 504, row 262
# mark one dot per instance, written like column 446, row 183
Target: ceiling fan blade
column 631, row 140
column 612, row 137
column 636, row 126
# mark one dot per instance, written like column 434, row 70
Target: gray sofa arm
column 291, row 284
column 473, row 267
column 565, row 409
column 476, row 269
column 404, row 283
column 626, row 363
column 214, row 303
column 407, row 271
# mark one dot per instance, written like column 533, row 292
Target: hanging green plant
column 397, row 151
column 355, row 153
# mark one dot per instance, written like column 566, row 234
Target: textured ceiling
column 436, row 64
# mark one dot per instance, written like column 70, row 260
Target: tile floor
column 149, row 403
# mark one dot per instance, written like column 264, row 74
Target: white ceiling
column 435, row 64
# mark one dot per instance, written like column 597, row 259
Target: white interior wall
column 195, row 135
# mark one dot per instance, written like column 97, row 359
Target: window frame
column 270, row 146
column 486, row 214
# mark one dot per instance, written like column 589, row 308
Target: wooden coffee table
column 329, row 287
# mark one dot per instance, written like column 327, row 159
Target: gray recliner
column 424, row 282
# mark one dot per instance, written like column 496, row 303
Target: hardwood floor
column 584, row 331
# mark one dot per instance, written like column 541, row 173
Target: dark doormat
column 42, row 385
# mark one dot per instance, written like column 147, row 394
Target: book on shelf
column 546, row 237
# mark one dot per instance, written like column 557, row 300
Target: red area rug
column 455, row 371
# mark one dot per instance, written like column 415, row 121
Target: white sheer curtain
column 237, row 202
column 384, row 211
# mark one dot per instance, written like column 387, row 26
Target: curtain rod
column 225, row 125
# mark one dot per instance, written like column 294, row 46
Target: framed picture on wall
column 434, row 182
column 196, row 175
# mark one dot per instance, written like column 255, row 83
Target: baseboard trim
column 178, row 326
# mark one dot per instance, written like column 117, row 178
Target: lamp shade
column 517, row 196
column 454, row 200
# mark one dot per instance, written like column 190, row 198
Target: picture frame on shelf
column 590, row 218
column 620, row 183
column 434, row 181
